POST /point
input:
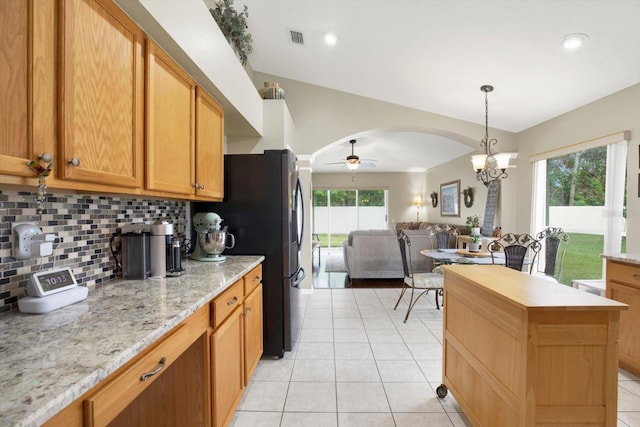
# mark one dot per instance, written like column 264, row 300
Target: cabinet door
column 226, row 370
column 101, row 94
column 628, row 339
column 252, row 332
column 209, row 147
column 170, row 125
column 15, row 141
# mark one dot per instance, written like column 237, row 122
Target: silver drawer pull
column 75, row 162
column 636, row 276
column 248, row 310
column 157, row 369
column 256, row 279
column 233, row 301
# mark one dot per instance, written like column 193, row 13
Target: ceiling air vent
column 296, row 37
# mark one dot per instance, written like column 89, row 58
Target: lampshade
column 479, row 160
column 502, row 160
column 353, row 166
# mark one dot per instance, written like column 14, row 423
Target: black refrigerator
column 263, row 208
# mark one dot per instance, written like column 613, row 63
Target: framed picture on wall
column 450, row 198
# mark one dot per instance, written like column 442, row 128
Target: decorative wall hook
column 434, row 199
column 43, row 167
column 468, row 196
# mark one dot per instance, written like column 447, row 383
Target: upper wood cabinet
column 27, row 83
column 184, row 132
column 209, row 148
column 101, row 94
column 170, row 125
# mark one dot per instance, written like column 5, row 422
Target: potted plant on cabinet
column 234, row 27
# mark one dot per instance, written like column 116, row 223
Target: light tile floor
column 357, row 364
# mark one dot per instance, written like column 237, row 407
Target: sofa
column 375, row 254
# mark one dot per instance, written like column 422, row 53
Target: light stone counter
column 628, row 258
column 47, row 361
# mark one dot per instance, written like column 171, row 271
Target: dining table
column 463, row 256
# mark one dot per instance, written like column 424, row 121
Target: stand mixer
column 211, row 239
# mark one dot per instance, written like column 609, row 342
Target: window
column 583, row 190
column 337, row 212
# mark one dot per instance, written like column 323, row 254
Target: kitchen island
column 49, row 361
column 519, row 350
column 623, row 284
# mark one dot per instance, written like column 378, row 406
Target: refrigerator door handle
column 298, row 277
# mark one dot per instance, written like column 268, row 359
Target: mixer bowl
column 214, row 242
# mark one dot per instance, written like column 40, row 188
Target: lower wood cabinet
column 623, row 284
column 193, row 376
column 236, row 343
column 227, row 372
column 253, row 344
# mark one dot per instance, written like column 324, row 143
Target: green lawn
column 582, row 259
column 336, row 240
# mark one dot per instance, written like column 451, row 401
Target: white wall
column 615, row 113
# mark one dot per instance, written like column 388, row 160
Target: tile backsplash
column 83, row 225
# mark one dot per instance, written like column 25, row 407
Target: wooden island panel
column 521, row 351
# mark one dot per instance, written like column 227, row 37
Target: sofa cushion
column 376, row 254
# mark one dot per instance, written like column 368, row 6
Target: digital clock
column 49, row 282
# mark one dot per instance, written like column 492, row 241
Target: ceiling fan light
column 478, row 161
column 353, row 165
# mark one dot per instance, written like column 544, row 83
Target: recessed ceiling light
column 330, row 38
column 573, row 41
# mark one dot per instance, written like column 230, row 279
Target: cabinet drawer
column 252, row 279
column 104, row 405
column 624, row 273
column 225, row 303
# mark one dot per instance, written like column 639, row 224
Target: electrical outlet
column 23, row 233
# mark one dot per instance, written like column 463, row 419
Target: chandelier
column 489, row 166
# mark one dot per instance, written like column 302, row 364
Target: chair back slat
column 516, row 247
column 444, row 236
column 555, row 244
column 405, row 252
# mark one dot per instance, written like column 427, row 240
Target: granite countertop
column 629, row 258
column 50, row 360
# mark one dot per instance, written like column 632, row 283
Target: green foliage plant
column 473, row 221
column 234, row 27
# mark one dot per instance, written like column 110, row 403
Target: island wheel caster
column 442, row 391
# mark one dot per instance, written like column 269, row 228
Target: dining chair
column 516, row 247
column 443, row 236
column 418, row 283
column 555, row 242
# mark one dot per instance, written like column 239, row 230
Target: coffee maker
column 150, row 250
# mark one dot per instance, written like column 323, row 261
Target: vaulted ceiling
column 434, row 55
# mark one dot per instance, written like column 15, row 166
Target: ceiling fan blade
column 336, row 163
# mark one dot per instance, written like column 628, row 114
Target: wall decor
column 468, row 196
column 450, row 198
column 434, row 199
column 491, row 208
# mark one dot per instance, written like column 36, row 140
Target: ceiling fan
column 353, row 161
